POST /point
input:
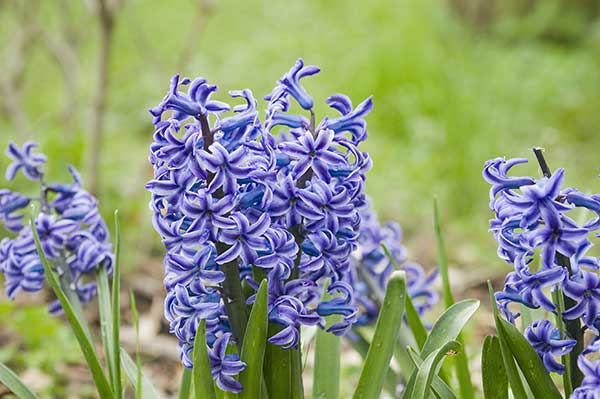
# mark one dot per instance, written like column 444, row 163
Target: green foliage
column 137, row 378
column 529, row 362
column 253, row 347
column 14, row 384
column 326, row 380
column 495, row 380
column 203, row 382
column 79, row 329
column 380, row 352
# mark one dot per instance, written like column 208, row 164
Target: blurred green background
column 454, row 82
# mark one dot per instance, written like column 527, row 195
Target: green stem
column 558, row 299
column 573, row 327
column 235, row 303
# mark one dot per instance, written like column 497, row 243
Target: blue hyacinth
column 72, row 233
column 550, row 253
column 238, row 197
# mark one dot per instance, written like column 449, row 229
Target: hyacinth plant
column 239, row 199
column 546, row 232
column 269, row 236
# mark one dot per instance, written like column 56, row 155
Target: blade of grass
column 14, row 383
column 442, row 257
column 461, row 361
column 131, row 370
column 253, row 347
column 326, row 375
column 138, row 361
column 380, row 352
column 185, row 387
column 203, row 383
column 429, row 367
column 494, row 377
column 116, row 310
column 87, row 347
column 106, row 321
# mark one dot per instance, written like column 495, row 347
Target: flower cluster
column 371, row 268
column 72, row 233
column 550, row 253
column 237, row 198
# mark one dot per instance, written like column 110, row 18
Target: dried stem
column 106, row 17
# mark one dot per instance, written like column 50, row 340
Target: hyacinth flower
column 371, row 268
column 238, row 198
column 553, row 266
column 72, row 233
column 545, row 339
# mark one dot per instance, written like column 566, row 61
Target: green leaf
column 277, row 368
column 105, row 320
column 412, row 316
column 14, row 383
column 514, row 378
column 87, row 347
column 203, row 382
column 462, row 361
column 116, row 311
column 429, row 367
column 185, row 387
column 440, row 389
column 449, row 325
column 495, row 380
column 326, row 375
column 131, row 370
column 138, row 361
column 297, row 386
column 253, row 347
column 529, row 362
column 361, row 345
column 386, row 334
column 415, row 323
column 442, row 258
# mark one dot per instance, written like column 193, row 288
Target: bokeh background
column 455, row 82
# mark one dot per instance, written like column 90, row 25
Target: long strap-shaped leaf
column 14, row 383
column 253, row 347
column 131, row 370
column 116, row 310
column 440, row 389
column 277, row 368
column 412, row 316
column 514, row 378
column 495, row 380
column 203, row 382
column 529, row 362
column 106, row 320
column 386, row 333
column 361, row 345
column 185, row 386
column 429, row 367
column 326, row 375
column 461, row 361
column 87, row 347
column 448, row 326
